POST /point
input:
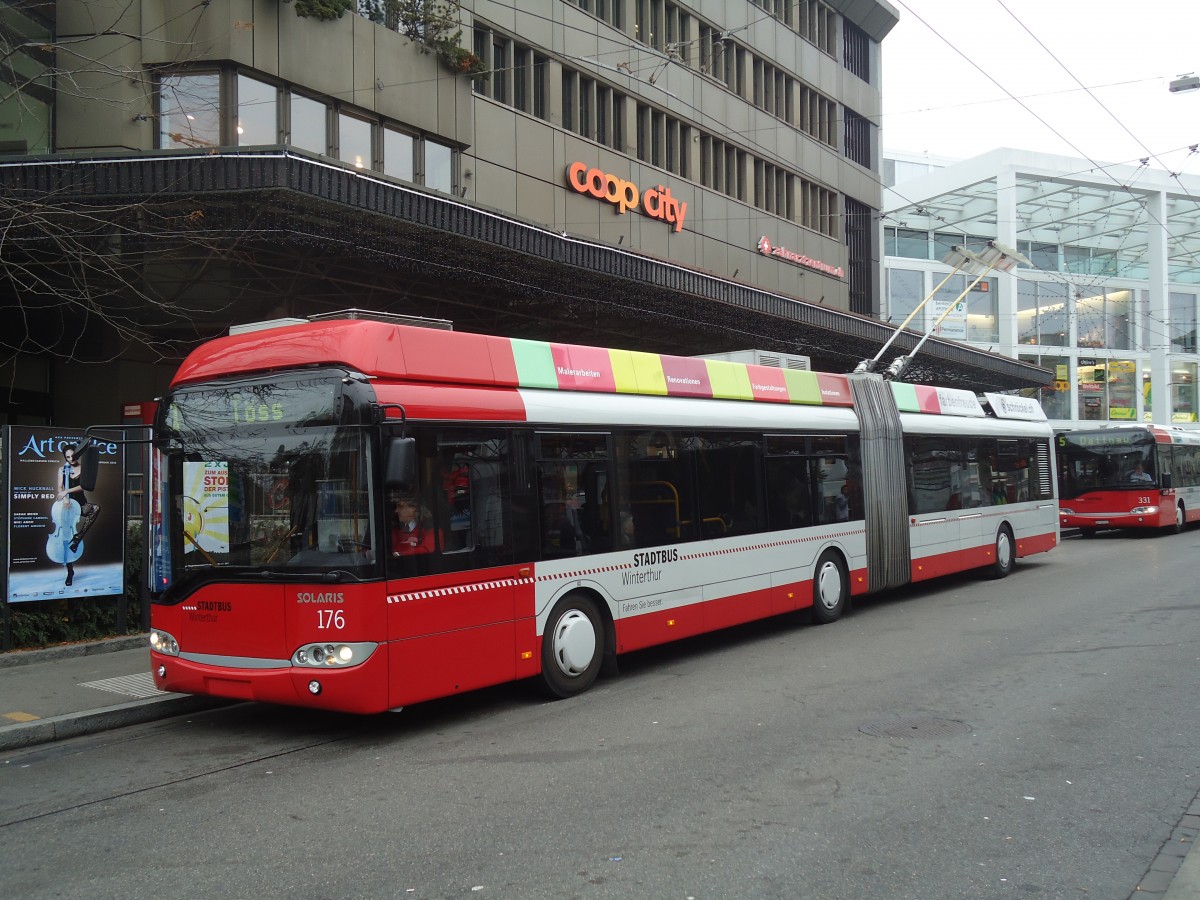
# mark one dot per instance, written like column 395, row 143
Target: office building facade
column 681, row 177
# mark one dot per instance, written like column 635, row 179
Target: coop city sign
column 657, row 202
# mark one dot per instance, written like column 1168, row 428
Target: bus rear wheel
column 572, row 646
column 1006, row 554
column 831, row 588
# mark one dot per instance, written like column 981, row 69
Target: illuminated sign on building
column 766, row 248
column 656, row 202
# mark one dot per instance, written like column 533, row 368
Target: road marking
column 21, row 716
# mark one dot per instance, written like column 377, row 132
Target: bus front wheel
column 1006, row 554
column 572, row 646
column 831, row 588
column 1180, row 519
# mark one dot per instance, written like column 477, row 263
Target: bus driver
column 413, row 530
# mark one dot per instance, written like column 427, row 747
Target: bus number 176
column 330, row 618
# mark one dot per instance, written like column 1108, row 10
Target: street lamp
column 1188, row 82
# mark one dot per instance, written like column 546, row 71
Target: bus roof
column 406, row 353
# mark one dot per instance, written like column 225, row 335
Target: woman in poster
column 88, row 511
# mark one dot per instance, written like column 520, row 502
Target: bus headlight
column 161, row 642
column 328, row 656
column 1144, row 510
column 1063, row 511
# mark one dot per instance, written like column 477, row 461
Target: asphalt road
column 1032, row 737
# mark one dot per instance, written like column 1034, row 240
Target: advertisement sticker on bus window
column 206, row 506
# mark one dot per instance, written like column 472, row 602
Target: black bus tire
column 1006, row 554
column 831, row 588
column 572, row 646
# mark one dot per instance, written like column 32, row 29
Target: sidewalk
column 60, row 692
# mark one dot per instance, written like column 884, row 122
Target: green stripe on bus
column 802, row 386
column 906, row 397
column 729, row 380
column 535, row 364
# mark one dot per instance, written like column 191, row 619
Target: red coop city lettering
column 656, row 202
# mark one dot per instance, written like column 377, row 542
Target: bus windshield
column 264, row 477
column 1106, row 461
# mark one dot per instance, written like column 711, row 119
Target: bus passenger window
column 472, row 488
column 573, row 494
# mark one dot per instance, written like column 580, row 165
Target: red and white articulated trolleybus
column 359, row 515
column 1129, row 476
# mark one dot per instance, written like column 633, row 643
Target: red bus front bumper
column 358, row 689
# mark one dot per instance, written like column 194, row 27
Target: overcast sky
column 950, row 66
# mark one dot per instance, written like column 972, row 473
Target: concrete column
column 1158, row 310
column 1006, row 234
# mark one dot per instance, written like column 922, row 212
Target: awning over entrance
column 184, row 245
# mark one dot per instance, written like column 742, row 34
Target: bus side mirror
column 1165, row 481
column 89, row 463
column 400, row 467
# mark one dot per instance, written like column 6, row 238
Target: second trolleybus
column 358, row 515
column 1129, row 476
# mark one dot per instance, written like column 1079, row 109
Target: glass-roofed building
column 1109, row 304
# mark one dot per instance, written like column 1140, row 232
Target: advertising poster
column 63, row 539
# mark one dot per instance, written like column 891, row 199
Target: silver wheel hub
column 1004, row 550
column 574, row 643
column 829, row 586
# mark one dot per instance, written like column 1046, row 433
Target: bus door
column 453, row 586
column 935, row 499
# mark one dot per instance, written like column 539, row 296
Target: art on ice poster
column 66, row 536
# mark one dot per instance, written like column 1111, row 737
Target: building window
column 354, row 141
column 570, row 81
column 439, row 166
column 817, row 24
column 399, row 151
column 540, row 65
column 516, row 76
column 906, row 290
column 189, row 111
column 1043, row 256
column 860, row 269
column 1181, row 322
column 522, row 66
column 856, row 51
column 610, row 11
column 818, row 208
column 587, row 89
column 1183, row 392
column 723, row 167
column 983, row 323
column 309, row 124
column 501, row 50
column 1042, row 313
column 907, row 242
column 857, row 144
column 817, row 116
column 257, row 112
column 1103, row 319
column 480, row 41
